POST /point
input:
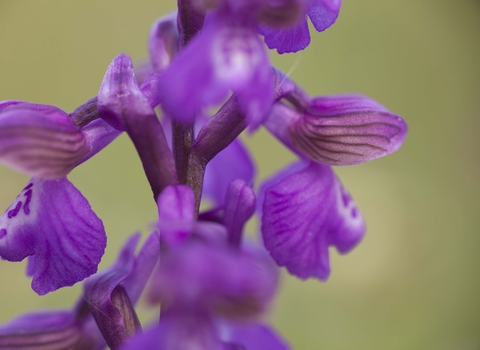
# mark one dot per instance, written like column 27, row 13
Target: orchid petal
column 287, row 40
column 323, row 13
column 52, row 219
column 44, row 331
column 40, row 140
column 338, row 130
column 303, row 213
column 341, row 135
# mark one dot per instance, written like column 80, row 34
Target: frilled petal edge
column 51, row 220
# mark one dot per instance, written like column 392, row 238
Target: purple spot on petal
column 26, row 207
column 12, row 213
column 3, row 233
column 28, row 187
column 354, row 212
column 345, row 198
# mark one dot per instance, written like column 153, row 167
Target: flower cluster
column 212, row 284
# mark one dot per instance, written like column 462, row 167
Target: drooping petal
column 338, row 130
column 239, row 207
column 230, row 282
column 234, row 162
column 222, row 58
column 296, row 37
column 109, row 293
column 303, row 213
column 40, row 140
column 53, row 221
column 287, row 40
column 252, row 336
column 323, row 13
column 44, row 331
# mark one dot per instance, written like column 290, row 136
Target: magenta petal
column 52, row 219
column 303, row 213
column 253, row 336
column 40, row 140
column 234, row 162
column 323, row 13
column 287, row 40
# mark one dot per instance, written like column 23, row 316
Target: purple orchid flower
column 305, row 207
column 213, row 287
column 198, row 281
column 104, row 315
column 226, row 56
column 50, row 221
column 322, row 13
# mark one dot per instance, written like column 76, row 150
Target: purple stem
column 182, row 139
column 217, row 133
column 190, row 22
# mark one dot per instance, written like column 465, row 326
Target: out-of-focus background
column 414, row 281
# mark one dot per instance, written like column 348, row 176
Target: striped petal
column 44, row 331
column 339, row 130
column 40, row 140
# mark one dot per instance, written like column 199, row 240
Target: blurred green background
column 414, row 282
